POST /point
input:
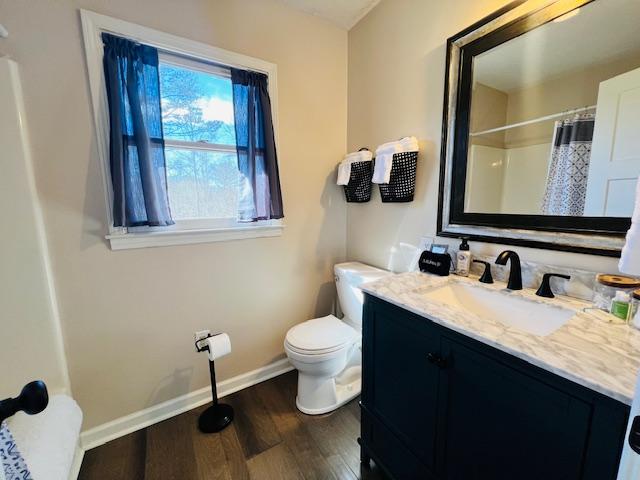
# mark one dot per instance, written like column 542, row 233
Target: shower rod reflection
column 535, row 120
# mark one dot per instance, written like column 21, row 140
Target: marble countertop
column 588, row 349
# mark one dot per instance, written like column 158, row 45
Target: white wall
column 485, row 178
column 129, row 316
column 30, row 338
column 525, row 178
column 506, row 180
column 396, row 84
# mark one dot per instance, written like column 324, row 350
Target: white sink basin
column 511, row 310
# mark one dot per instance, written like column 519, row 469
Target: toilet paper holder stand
column 219, row 415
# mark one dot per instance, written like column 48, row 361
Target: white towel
column 384, row 157
column 344, row 168
column 630, row 258
column 48, row 440
column 11, row 460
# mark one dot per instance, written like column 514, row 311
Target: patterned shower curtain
column 566, row 186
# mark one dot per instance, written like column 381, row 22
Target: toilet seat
column 320, row 336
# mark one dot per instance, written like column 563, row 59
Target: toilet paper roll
column 219, row 346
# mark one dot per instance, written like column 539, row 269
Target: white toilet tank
column 349, row 277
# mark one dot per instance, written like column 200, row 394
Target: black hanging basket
column 402, row 181
column 359, row 188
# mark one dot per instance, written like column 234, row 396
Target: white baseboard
column 77, row 463
column 119, row 427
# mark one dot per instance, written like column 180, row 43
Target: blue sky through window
column 197, row 106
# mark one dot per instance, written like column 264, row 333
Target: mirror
column 544, row 132
column 554, row 127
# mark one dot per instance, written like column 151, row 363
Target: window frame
column 194, row 55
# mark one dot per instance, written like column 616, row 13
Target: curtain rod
column 535, row 120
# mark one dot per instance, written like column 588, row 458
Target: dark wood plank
column 340, row 469
column 354, row 407
column 120, row 458
column 210, row 457
column 281, row 408
column 254, row 427
column 269, row 439
column 276, row 463
column 336, row 433
column 170, row 454
column 236, row 462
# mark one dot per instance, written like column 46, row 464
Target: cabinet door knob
column 436, row 359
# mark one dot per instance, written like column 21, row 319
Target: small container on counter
column 620, row 305
column 463, row 259
column 634, row 314
column 607, row 287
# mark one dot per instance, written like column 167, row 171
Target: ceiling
column 345, row 13
column 601, row 32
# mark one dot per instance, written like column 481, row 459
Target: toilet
column 326, row 351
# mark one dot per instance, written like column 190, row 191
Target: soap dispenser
column 463, row 262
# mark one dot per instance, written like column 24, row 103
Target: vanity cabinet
column 439, row 405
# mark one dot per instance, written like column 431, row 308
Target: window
column 198, row 124
column 197, row 118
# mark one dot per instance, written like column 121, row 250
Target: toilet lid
column 321, row 334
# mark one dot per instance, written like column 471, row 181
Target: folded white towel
column 630, row 258
column 48, row 440
column 344, row 168
column 384, row 157
column 344, row 173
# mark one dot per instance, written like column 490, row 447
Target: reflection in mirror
column 555, row 117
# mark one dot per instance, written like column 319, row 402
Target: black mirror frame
column 592, row 235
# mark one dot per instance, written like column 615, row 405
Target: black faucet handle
column 545, row 287
column 486, row 276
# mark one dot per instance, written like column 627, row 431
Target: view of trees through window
column 197, row 117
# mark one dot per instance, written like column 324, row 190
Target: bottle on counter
column 620, row 305
column 463, row 259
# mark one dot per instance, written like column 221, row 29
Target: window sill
column 125, row 241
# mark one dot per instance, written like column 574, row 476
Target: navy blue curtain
column 137, row 160
column 260, row 195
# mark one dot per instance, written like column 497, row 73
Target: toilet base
column 318, row 395
column 344, row 394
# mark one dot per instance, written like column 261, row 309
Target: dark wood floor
column 269, row 439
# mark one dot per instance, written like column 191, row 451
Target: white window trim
column 186, row 231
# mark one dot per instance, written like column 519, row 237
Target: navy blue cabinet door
column 502, row 424
column 401, row 383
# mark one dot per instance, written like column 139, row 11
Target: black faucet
column 515, row 274
column 545, row 286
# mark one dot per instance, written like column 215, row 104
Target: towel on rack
column 630, row 257
column 384, row 157
column 344, row 168
column 12, row 463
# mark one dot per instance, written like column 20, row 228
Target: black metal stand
column 217, row 416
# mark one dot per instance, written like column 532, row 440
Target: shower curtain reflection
column 566, row 186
